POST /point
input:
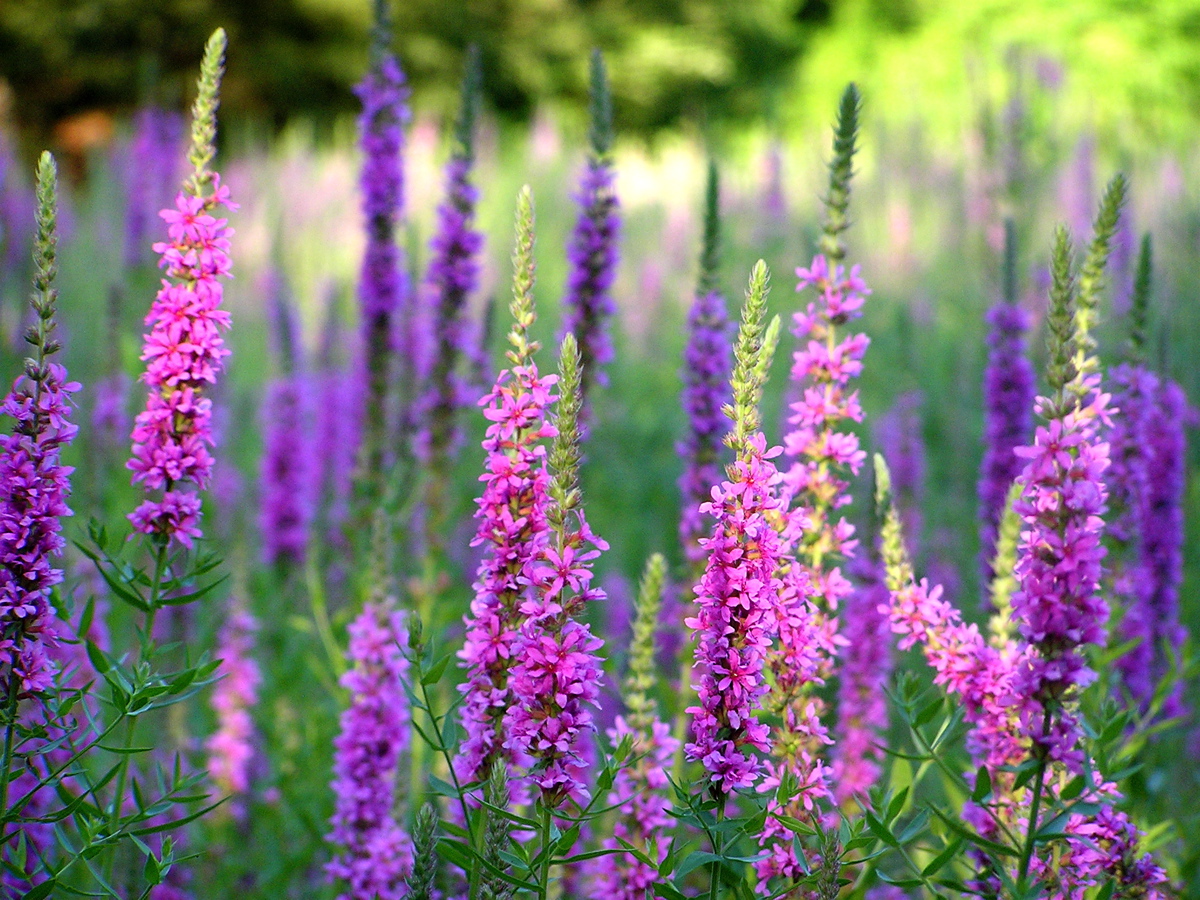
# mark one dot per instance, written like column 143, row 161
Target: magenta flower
column 514, row 531
column 736, row 621
column 375, row 854
column 183, row 352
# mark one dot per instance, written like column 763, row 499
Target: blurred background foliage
column 701, row 65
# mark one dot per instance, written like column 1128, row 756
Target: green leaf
column 899, row 882
column 983, row 785
column 938, row 863
column 435, row 672
column 927, row 713
column 1074, row 788
column 693, row 861
column 880, row 830
column 45, row 889
column 896, row 805
column 100, row 660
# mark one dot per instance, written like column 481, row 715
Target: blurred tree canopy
column 669, row 59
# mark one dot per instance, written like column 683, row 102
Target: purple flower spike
column 706, row 369
column 1008, row 391
column 231, row 748
column 152, row 160
column 898, row 433
column 288, row 471
column 736, row 620
column 375, row 853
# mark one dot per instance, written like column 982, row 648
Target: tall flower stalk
column 1008, row 392
column 593, row 250
column 231, row 747
column 381, row 287
column 736, row 598
column 814, row 487
column 34, row 484
column 513, row 527
column 184, row 351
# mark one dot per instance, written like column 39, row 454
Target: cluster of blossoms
column 513, row 529
column 231, row 748
column 899, row 438
column 1008, row 392
column 184, row 351
column 556, row 676
column 705, row 392
column 34, row 486
column 736, row 620
column 376, row 854
column 814, row 486
column 1057, row 603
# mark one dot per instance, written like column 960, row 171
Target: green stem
column 10, row 727
column 714, row 884
column 1027, row 852
column 544, row 878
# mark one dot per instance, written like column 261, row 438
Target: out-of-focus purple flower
column 230, row 748
column 151, row 169
column 866, row 667
column 375, row 854
column 382, row 284
column 183, row 352
column 900, row 440
column 514, row 531
column 736, row 621
column 16, row 213
column 592, row 254
column 1008, row 392
column 287, row 473
column 1147, row 481
column 706, row 366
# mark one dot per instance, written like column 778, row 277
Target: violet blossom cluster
column 287, row 504
column 1146, row 481
column 1057, row 603
column 736, row 621
column 1008, row 392
column 706, row 367
column 555, row 677
column 231, row 747
column 375, row 853
column 514, row 531
column 184, row 352
column 382, row 284
column 151, row 169
column 900, row 440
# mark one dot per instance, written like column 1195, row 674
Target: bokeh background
column 974, row 112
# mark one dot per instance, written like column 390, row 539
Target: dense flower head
column 556, row 674
column 183, row 352
column 1008, row 393
column 706, row 367
column 288, row 470
column 231, row 747
column 452, row 277
column 1057, row 603
column 736, row 621
column 375, row 853
column 592, row 255
column 900, row 439
column 34, row 486
column 514, row 533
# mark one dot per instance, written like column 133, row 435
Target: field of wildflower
column 450, row 510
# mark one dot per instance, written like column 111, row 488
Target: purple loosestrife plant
column 513, row 527
column 184, row 350
column 593, row 250
column 555, row 677
column 640, row 787
column 814, row 486
column 1008, row 392
column 706, row 369
column 900, row 439
column 452, row 277
column 737, row 595
column 382, row 284
column 374, row 852
column 34, row 483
